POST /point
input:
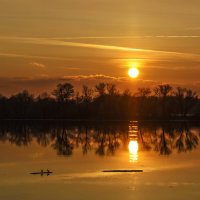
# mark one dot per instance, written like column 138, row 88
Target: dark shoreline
column 107, row 120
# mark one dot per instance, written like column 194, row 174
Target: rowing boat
column 42, row 173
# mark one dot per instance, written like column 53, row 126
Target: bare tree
column 164, row 104
column 101, row 89
column 111, row 88
column 87, row 93
column 143, row 92
column 186, row 99
column 163, row 90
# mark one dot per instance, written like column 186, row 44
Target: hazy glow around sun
column 133, row 72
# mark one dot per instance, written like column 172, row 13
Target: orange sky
column 42, row 42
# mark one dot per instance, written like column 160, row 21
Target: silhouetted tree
column 101, row 89
column 180, row 95
column 143, row 102
column 21, row 105
column 111, row 88
column 3, row 107
column 186, row 99
column 191, row 99
column 163, row 92
column 143, row 92
column 63, row 92
column 87, row 94
column 108, row 104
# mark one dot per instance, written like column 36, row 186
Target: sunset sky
column 43, row 42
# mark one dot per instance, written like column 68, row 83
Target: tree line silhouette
column 102, row 138
column 103, row 102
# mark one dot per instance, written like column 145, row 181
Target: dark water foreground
column 168, row 153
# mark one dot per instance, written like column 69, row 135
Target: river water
column 77, row 153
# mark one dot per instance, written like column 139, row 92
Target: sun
column 133, row 72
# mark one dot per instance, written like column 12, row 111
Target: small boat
column 42, row 172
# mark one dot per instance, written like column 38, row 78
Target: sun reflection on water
column 133, row 143
column 133, row 147
column 133, row 151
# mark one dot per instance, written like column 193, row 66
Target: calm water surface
column 168, row 154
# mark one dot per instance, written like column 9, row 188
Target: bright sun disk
column 133, row 72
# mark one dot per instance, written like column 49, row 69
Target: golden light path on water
column 133, row 141
column 133, row 150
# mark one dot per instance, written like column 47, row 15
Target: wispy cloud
column 41, row 84
column 105, row 37
column 92, row 77
column 126, row 37
column 14, row 55
column 194, row 28
column 38, row 65
column 102, row 37
column 107, row 47
column 60, row 42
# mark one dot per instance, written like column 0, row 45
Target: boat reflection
column 133, row 141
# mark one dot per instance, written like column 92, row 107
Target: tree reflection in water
column 104, row 139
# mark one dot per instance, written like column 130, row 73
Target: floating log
column 123, row 170
column 41, row 173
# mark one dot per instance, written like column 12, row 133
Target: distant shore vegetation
column 103, row 102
